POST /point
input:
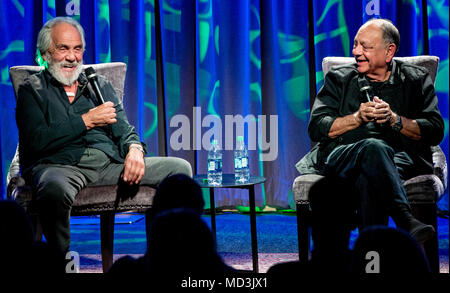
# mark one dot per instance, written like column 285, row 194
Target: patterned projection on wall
column 220, row 59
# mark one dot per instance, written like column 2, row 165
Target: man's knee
column 375, row 147
column 158, row 168
column 54, row 192
column 180, row 166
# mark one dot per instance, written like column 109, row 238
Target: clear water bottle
column 241, row 166
column 215, row 164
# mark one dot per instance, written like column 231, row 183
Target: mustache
column 68, row 64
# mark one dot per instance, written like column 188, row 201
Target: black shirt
column 410, row 93
column 51, row 129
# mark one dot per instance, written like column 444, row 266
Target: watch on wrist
column 139, row 147
column 398, row 125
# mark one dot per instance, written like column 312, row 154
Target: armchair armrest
column 14, row 168
column 14, row 179
column 13, row 184
column 440, row 165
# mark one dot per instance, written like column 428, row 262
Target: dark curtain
column 220, row 69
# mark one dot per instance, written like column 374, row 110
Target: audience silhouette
column 334, row 215
column 176, row 191
column 17, row 237
column 19, row 253
column 181, row 245
column 389, row 251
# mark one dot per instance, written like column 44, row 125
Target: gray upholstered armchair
column 92, row 200
column 423, row 191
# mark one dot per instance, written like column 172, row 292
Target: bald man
column 376, row 143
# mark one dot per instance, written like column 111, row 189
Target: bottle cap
column 240, row 138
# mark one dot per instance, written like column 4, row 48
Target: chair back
column 115, row 72
column 429, row 62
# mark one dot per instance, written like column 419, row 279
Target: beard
column 66, row 78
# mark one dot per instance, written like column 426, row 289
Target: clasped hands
column 377, row 111
column 134, row 165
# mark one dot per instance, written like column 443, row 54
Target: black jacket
column 410, row 93
column 51, row 129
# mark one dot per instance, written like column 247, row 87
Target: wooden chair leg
column 427, row 213
column 107, row 239
column 303, row 232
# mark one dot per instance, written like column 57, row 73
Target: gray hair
column 44, row 39
column 390, row 32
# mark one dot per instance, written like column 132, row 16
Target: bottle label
column 244, row 162
column 215, row 165
column 212, row 166
column 237, row 163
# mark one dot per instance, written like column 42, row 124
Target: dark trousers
column 57, row 185
column 378, row 172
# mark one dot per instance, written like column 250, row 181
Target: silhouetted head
column 16, row 228
column 181, row 244
column 388, row 250
column 333, row 205
column 177, row 191
column 16, row 237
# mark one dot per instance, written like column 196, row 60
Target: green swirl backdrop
column 252, row 58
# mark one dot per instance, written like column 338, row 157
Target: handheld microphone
column 92, row 78
column 365, row 88
column 367, row 92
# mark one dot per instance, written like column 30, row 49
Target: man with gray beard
column 67, row 140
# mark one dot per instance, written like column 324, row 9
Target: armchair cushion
column 424, row 188
column 429, row 62
column 97, row 199
column 302, row 185
column 91, row 199
column 115, row 72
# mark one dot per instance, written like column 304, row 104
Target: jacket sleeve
column 37, row 135
column 430, row 120
column 325, row 109
column 123, row 133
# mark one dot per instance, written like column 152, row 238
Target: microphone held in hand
column 365, row 88
column 92, row 77
column 367, row 92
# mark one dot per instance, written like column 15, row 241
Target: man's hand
column 383, row 112
column 377, row 111
column 134, row 166
column 366, row 112
column 100, row 116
